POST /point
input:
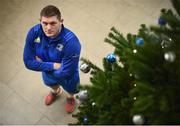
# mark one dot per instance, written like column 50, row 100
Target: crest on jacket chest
column 59, row 47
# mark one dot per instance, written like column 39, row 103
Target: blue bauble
column 85, row 120
column 139, row 41
column 161, row 21
column 111, row 58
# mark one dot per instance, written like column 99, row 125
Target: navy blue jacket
column 64, row 49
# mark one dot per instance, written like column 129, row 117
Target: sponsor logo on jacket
column 37, row 40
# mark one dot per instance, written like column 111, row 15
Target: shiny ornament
column 169, row 56
column 82, row 95
column 161, row 21
column 85, row 120
column 93, row 104
column 85, row 68
column 166, row 42
column 139, row 41
column 111, row 58
column 138, row 120
column 134, row 51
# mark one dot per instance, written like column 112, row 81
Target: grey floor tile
column 55, row 112
column 104, row 10
column 11, row 6
column 17, row 111
column 19, row 28
column 44, row 121
column 11, row 59
column 29, row 85
column 5, row 92
column 92, row 33
column 84, row 78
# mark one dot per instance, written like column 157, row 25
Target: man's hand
column 38, row 59
column 57, row 66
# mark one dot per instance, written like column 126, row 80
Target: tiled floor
column 22, row 91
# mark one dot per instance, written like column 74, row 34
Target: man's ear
column 61, row 20
column 40, row 19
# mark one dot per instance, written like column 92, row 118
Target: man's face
column 51, row 25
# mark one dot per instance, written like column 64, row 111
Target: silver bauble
column 138, row 119
column 82, row 95
column 85, row 68
column 169, row 56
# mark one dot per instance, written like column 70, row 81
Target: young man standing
column 54, row 50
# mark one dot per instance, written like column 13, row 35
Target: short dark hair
column 49, row 11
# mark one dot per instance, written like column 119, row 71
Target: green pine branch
column 176, row 5
column 91, row 64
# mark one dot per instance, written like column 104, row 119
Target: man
column 54, row 50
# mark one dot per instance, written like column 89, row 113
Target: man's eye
column 45, row 23
column 53, row 23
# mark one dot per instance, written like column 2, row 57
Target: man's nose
column 49, row 27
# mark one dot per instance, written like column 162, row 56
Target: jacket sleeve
column 30, row 54
column 69, row 64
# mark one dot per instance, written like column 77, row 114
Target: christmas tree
column 140, row 80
